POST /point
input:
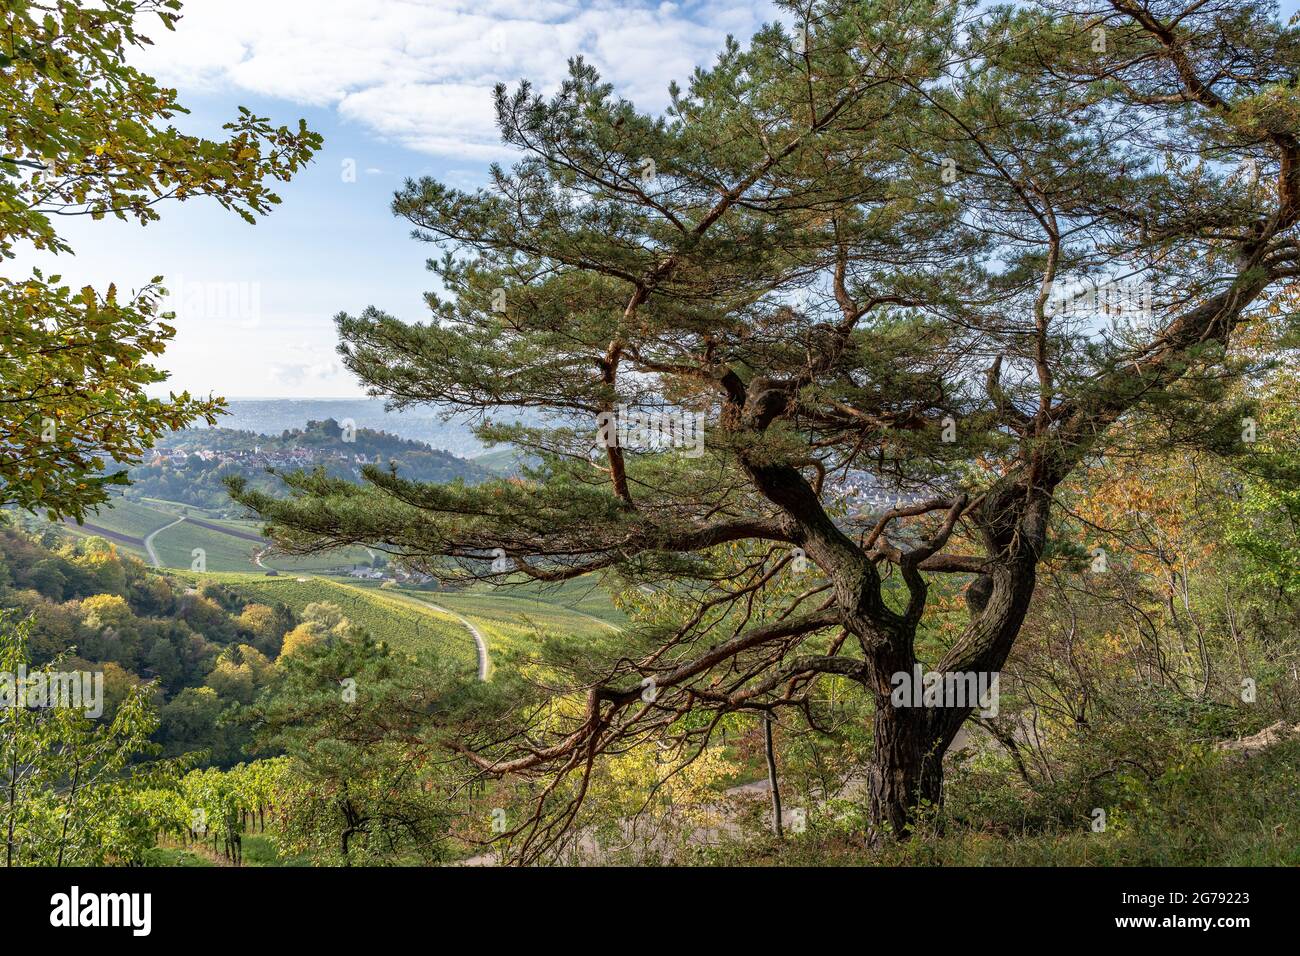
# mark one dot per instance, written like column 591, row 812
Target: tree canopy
column 912, row 263
column 85, row 134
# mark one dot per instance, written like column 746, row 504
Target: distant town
column 296, row 457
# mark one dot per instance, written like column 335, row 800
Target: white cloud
column 420, row 72
column 297, row 373
column 446, row 119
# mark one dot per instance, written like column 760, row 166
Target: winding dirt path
column 148, row 541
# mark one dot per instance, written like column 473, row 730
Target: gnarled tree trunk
column 906, row 771
column 910, row 740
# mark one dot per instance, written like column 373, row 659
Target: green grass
column 130, row 518
column 178, row 507
column 131, row 549
column 582, row 595
column 506, row 622
column 346, row 557
column 137, row 518
column 174, row 856
column 223, row 552
column 406, row 626
column 514, row 622
column 226, row 552
column 258, row 849
column 127, row 518
column 1221, row 812
column 567, row 602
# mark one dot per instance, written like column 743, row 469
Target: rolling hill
column 228, row 545
column 406, row 625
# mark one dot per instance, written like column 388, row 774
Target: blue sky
column 397, row 88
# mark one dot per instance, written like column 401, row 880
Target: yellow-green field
column 508, row 617
column 227, row 544
column 516, row 616
column 409, row 619
column 405, row 625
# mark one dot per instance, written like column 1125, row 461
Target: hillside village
column 191, row 465
column 295, row 457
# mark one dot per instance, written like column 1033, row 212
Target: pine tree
column 924, row 250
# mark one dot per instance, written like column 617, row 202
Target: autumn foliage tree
column 940, row 250
column 85, row 134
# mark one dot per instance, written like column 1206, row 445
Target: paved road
column 480, row 642
column 148, row 541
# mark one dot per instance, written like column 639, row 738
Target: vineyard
column 212, row 810
column 226, row 544
column 406, row 625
